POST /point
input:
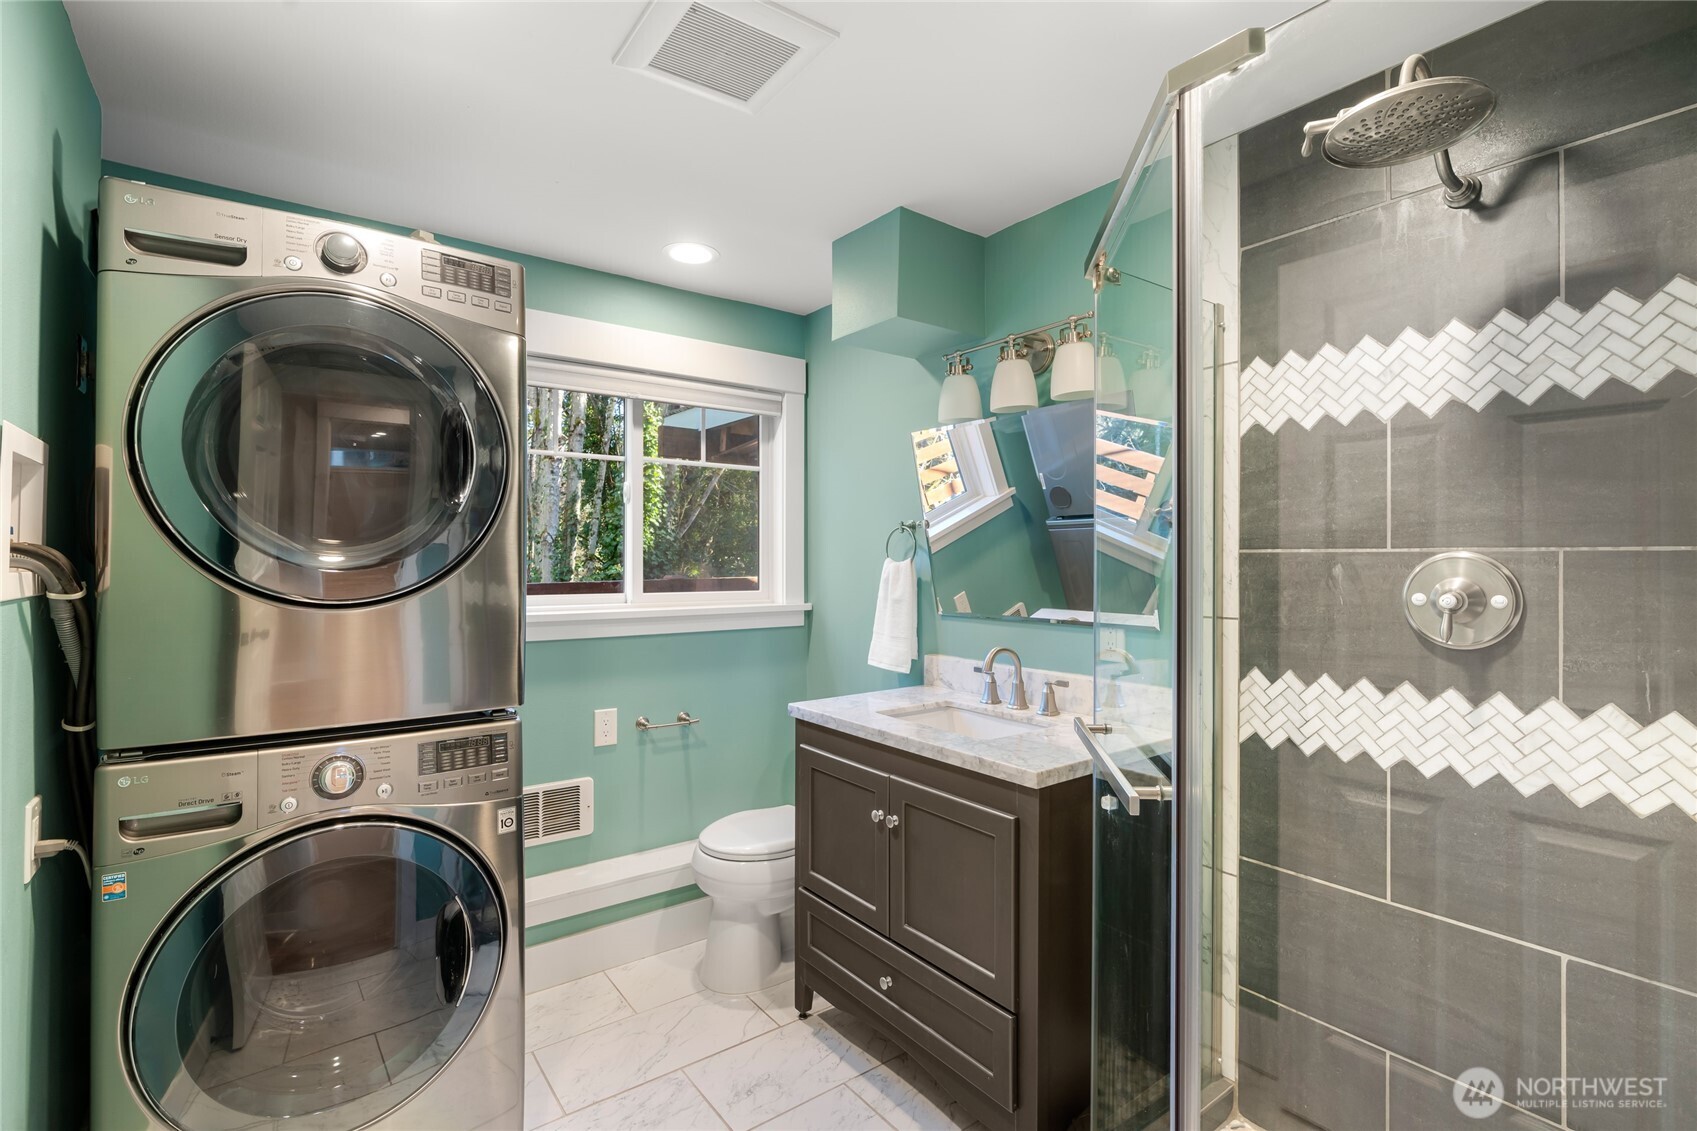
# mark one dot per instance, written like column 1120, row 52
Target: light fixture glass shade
column 960, row 401
column 1073, row 377
column 1014, row 386
column 1150, row 388
column 1112, row 389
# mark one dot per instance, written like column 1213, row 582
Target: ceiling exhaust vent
column 559, row 810
column 737, row 53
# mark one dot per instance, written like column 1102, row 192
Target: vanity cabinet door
column 953, row 885
column 842, row 845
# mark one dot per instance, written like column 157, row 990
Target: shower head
column 1420, row 117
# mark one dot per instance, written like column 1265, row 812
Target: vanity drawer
column 963, row 1030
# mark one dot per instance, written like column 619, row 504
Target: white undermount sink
column 959, row 720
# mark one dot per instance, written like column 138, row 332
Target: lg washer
column 310, row 467
column 321, row 936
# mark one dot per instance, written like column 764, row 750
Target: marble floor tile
column 603, row 1062
column 756, row 1080
column 571, row 1008
column 909, row 1099
column 837, row 1110
column 660, row 978
column 540, row 1106
column 778, row 1000
column 670, row 1103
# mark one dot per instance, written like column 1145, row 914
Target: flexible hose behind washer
column 74, row 628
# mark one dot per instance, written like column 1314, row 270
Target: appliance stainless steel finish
column 319, row 936
column 309, row 466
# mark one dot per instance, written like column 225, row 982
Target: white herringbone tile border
column 1647, row 767
column 1635, row 342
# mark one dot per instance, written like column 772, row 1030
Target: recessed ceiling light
column 691, row 252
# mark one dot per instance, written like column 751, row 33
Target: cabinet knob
column 885, row 982
column 877, row 815
column 892, row 821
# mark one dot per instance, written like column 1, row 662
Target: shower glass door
column 1424, row 623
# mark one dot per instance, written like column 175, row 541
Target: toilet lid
column 756, row 834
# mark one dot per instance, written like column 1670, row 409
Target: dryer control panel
column 154, row 230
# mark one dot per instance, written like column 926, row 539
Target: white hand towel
column 895, row 622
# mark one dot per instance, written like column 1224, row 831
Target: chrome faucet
column 1016, row 694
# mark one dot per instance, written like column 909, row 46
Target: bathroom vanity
column 943, row 886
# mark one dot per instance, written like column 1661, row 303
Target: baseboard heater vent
column 559, row 810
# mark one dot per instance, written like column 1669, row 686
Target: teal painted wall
column 49, row 162
column 861, row 408
column 664, row 788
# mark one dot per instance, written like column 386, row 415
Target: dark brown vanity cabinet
column 953, row 911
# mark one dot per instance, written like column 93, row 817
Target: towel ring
column 909, row 529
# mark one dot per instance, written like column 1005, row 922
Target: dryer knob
column 341, row 252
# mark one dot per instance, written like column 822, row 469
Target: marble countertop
column 1047, row 754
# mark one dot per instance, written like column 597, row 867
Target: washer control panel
column 442, row 766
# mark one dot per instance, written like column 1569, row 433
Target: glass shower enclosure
column 1396, row 578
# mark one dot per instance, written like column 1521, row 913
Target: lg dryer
column 319, row 937
column 309, row 438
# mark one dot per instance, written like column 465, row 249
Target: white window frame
column 598, row 357
column 987, row 492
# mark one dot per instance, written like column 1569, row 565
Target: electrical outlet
column 32, row 836
column 1112, row 639
column 607, row 726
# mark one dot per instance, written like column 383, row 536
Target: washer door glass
column 332, row 975
column 318, row 447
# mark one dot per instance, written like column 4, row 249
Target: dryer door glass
column 318, row 447
column 331, row 975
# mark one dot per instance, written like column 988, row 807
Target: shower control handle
column 1462, row 600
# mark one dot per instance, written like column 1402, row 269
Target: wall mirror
column 1016, row 508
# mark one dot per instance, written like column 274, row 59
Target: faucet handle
column 990, row 697
column 1047, row 705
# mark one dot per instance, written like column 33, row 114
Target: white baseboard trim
column 607, row 883
column 600, row 948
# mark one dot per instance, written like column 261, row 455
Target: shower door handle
column 1130, row 796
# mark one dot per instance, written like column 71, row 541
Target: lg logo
column 132, row 198
column 126, row 781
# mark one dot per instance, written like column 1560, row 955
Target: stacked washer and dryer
column 311, row 598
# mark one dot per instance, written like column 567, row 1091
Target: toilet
column 746, row 863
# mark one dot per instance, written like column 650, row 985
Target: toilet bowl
column 746, row 863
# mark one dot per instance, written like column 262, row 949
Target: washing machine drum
column 318, row 448
column 332, row 975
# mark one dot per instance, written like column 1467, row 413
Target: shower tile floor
column 647, row 1046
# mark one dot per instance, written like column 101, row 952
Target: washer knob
column 341, row 252
column 337, row 776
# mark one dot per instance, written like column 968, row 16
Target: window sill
column 587, row 622
column 968, row 519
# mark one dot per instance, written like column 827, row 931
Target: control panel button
column 431, row 292
column 479, row 300
column 292, row 262
column 388, row 279
column 427, row 787
column 288, row 805
column 504, row 307
column 385, row 791
column 341, row 252
column 337, row 776
column 456, row 296
column 499, row 773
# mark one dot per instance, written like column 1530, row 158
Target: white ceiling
column 508, row 123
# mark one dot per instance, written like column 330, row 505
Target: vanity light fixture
column 691, row 253
column 1013, row 388
column 1073, row 377
column 1113, row 393
column 960, row 401
column 1149, row 385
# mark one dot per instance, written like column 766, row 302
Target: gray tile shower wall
column 1397, row 929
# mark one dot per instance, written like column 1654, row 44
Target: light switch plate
column 23, row 489
column 32, row 836
column 607, row 726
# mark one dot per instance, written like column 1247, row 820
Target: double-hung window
column 655, row 503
